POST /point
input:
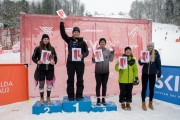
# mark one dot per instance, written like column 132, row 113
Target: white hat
column 150, row 44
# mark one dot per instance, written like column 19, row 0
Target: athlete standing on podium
column 44, row 71
column 74, row 66
column 102, row 70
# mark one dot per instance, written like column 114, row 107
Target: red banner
column 13, row 83
column 120, row 32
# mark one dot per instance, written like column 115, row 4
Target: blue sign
column 168, row 87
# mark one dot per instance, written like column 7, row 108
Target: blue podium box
column 110, row 106
column 83, row 105
column 54, row 107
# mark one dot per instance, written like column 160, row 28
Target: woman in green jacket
column 126, row 79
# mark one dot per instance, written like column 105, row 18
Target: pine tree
column 169, row 10
column 24, row 5
column 177, row 12
column 136, row 9
column 11, row 13
column 47, row 7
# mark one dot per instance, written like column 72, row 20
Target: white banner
column 45, row 56
column 123, row 62
column 61, row 14
column 98, row 55
column 75, row 54
column 145, row 57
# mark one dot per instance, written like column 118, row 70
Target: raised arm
column 64, row 36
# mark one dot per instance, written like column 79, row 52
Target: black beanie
column 102, row 39
column 45, row 36
column 127, row 48
column 76, row 29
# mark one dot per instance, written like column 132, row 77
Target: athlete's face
column 45, row 41
column 102, row 44
column 76, row 34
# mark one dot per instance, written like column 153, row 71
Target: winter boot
column 123, row 106
column 144, row 106
column 41, row 100
column 48, row 100
column 104, row 101
column 128, row 107
column 151, row 105
column 98, row 101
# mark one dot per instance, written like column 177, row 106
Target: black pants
column 101, row 79
column 73, row 67
column 125, row 92
column 46, row 74
column 145, row 79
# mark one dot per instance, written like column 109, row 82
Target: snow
column 164, row 36
column 9, row 57
column 163, row 111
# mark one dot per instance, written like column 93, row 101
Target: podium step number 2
column 54, row 107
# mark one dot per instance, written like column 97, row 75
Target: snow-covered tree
column 169, row 10
column 136, row 9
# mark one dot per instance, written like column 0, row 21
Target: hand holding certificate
column 145, row 57
column 123, row 62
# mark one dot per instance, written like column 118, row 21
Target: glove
column 136, row 81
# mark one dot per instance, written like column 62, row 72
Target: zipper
column 102, row 63
column 128, row 73
column 46, row 66
column 128, row 70
column 149, row 67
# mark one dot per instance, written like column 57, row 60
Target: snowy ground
column 163, row 111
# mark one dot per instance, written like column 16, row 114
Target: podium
column 83, row 105
column 110, row 106
column 54, row 107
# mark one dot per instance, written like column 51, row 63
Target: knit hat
column 102, row 39
column 150, row 44
column 76, row 29
column 45, row 36
column 127, row 48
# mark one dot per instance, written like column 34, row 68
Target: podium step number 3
column 110, row 106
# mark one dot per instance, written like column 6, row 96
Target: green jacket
column 128, row 75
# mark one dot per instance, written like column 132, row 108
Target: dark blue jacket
column 152, row 67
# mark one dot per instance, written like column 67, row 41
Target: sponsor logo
column 166, row 83
column 5, row 87
column 46, row 29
